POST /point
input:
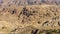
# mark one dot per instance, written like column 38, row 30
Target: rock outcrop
column 29, row 19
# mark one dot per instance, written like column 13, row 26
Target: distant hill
column 30, row 2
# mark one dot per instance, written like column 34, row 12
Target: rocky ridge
column 28, row 2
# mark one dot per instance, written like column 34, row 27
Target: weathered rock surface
column 29, row 19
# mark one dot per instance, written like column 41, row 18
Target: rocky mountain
column 30, row 19
column 29, row 2
column 29, row 16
